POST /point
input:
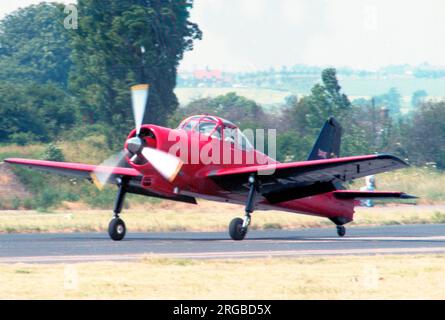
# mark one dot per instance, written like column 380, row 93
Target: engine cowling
column 148, row 152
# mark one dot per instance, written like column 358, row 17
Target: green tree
column 293, row 147
column 418, row 97
column 53, row 153
column 308, row 115
column 33, row 112
column 390, row 100
column 34, row 67
column 121, row 43
column 34, row 46
column 291, row 100
column 368, row 129
column 424, row 137
column 18, row 122
column 325, row 100
column 246, row 113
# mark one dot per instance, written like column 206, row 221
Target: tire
column 117, row 229
column 341, row 231
column 236, row 230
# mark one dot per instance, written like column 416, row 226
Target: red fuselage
column 192, row 180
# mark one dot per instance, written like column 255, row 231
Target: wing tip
column 408, row 196
column 394, row 158
column 14, row 161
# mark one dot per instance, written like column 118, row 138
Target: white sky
column 257, row 34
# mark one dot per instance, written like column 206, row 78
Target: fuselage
column 205, row 151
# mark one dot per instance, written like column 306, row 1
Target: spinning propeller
column 166, row 164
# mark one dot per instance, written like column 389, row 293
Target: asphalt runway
column 86, row 247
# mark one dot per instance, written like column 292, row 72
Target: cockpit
column 217, row 128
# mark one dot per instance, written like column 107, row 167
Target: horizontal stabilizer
column 352, row 194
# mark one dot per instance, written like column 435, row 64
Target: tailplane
column 328, row 142
column 364, row 195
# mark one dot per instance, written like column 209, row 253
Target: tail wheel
column 341, row 231
column 236, row 230
column 117, row 229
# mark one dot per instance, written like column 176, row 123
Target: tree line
column 53, row 79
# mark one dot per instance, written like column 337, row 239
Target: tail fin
column 328, row 142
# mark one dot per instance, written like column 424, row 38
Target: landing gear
column 340, row 222
column 116, row 228
column 236, row 230
column 341, row 231
column 238, row 227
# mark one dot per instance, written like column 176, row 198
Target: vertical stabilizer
column 328, row 142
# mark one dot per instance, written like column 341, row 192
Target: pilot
column 228, row 135
column 230, row 139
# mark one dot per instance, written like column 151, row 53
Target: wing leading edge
column 78, row 170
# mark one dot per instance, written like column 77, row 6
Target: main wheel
column 117, row 229
column 236, row 230
column 341, row 231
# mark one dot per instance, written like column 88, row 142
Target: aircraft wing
column 77, row 170
column 287, row 181
column 86, row 171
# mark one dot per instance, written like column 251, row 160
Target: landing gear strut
column 238, row 227
column 117, row 228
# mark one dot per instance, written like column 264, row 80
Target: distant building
column 205, row 75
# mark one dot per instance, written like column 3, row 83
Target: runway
column 86, row 247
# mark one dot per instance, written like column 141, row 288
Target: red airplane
column 157, row 165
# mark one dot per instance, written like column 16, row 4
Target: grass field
column 365, row 277
column 425, row 183
column 207, row 216
column 353, row 87
column 91, row 149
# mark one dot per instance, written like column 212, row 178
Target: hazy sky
column 257, row 34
